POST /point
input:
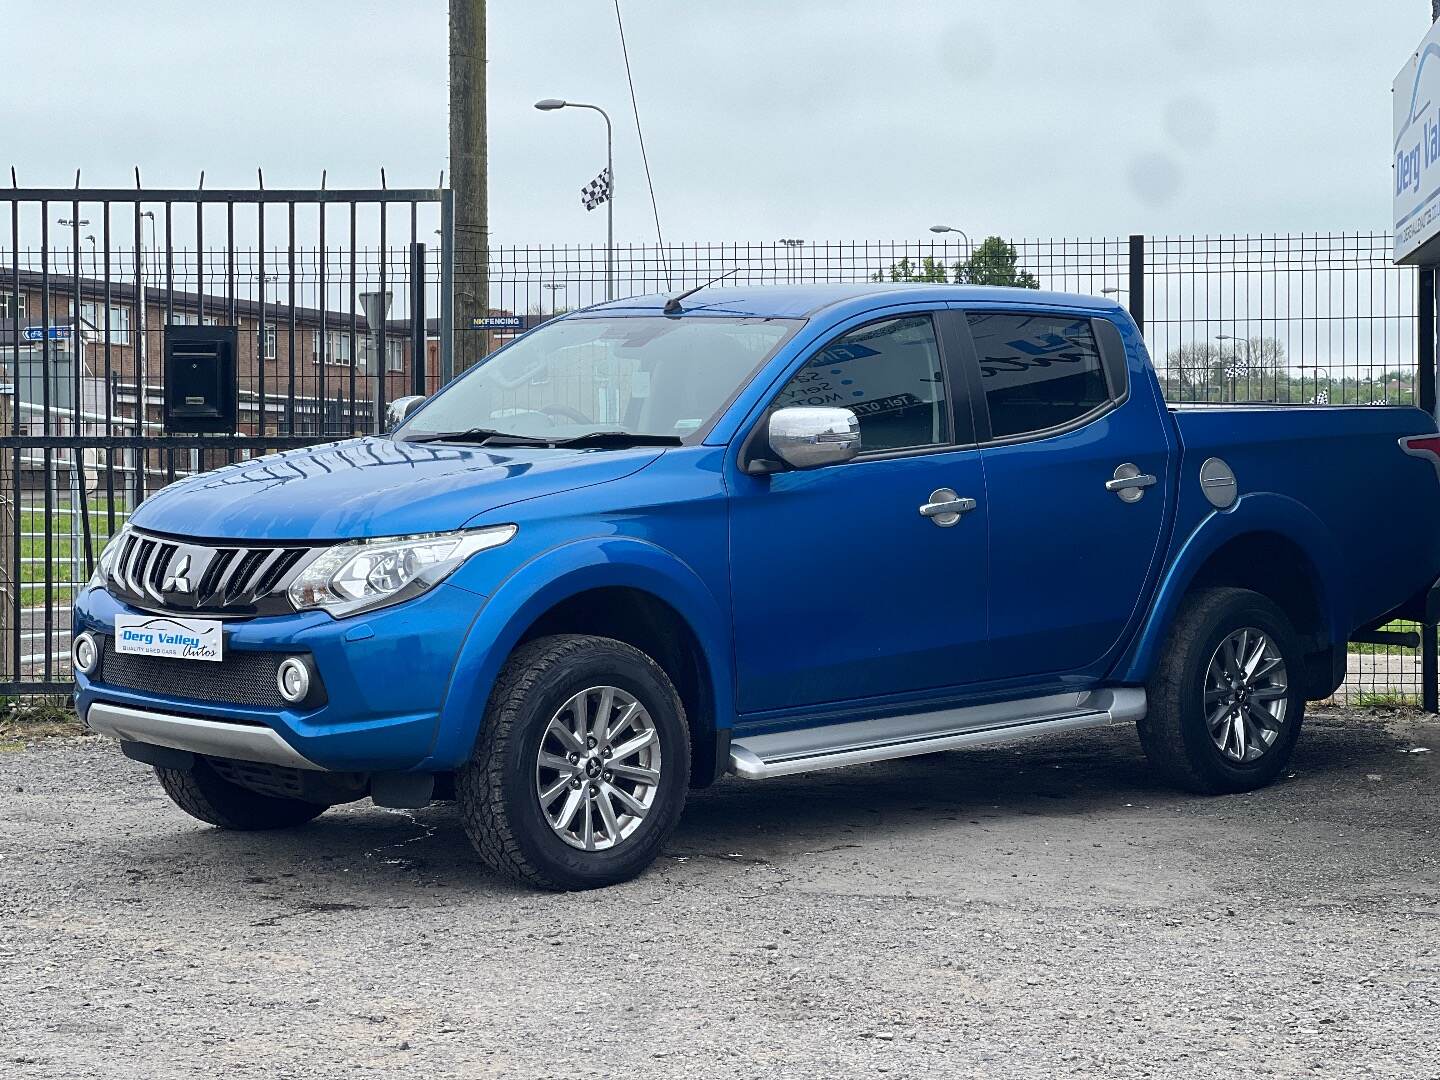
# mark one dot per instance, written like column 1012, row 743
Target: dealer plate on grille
column 166, row 635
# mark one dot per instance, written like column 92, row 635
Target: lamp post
column 1231, row 374
column 952, row 228
column 552, row 104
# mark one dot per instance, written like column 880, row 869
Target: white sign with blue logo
column 1415, row 184
column 165, row 635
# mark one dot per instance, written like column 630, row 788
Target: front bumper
column 213, row 738
column 386, row 676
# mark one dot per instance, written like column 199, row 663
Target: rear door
column 1077, row 458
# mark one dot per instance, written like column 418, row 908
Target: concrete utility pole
column 469, row 176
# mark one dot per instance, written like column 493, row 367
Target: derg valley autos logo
column 193, row 644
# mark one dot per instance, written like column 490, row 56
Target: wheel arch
column 623, row 588
column 1271, row 545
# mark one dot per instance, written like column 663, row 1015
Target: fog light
column 293, row 678
column 85, row 652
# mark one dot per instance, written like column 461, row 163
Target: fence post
column 1137, row 280
column 1425, row 398
column 418, row 329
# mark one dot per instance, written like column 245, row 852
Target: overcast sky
column 844, row 119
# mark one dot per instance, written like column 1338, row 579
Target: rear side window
column 889, row 373
column 1037, row 371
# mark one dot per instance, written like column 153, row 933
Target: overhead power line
column 644, row 158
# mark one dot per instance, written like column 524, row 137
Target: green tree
column 928, row 270
column 994, row 262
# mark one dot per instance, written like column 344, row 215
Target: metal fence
column 1307, row 318
column 1288, row 318
column 340, row 301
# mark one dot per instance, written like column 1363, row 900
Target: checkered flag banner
column 597, row 191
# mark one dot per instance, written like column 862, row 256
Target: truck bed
column 1346, row 466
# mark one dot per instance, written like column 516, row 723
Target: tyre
column 1225, row 704
column 202, row 793
column 581, row 767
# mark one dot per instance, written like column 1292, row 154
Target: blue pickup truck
column 751, row 531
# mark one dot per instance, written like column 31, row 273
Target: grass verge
column 22, row 720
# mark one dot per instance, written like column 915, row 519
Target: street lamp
column 1232, row 375
column 1113, row 290
column 952, row 228
column 551, row 105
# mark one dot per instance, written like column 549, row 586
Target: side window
column 889, row 373
column 1037, row 371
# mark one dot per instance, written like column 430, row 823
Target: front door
column 842, row 589
column 1076, row 466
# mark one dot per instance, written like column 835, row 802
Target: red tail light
column 1423, row 446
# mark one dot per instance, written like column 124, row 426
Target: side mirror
column 806, row 438
column 399, row 409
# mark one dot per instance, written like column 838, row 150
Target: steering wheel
column 567, row 412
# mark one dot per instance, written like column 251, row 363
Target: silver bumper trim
column 214, row 738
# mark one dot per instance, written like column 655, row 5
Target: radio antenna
column 672, row 306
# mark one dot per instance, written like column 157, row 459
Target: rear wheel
column 202, row 793
column 581, row 767
column 1225, row 707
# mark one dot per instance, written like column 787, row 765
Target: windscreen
column 645, row 375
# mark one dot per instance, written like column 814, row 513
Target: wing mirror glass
column 807, row 438
column 399, row 409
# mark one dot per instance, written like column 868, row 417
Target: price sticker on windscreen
column 166, row 635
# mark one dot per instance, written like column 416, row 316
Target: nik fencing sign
column 1415, row 185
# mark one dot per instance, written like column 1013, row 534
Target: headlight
column 108, row 555
column 365, row 574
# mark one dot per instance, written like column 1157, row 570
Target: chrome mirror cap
column 397, row 411
column 806, row 438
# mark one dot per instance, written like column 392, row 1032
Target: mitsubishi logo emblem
column 178, row 582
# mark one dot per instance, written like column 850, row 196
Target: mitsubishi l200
column 752, row 531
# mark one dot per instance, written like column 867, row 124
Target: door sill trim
column 833, row 746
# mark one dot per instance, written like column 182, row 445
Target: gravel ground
column 1039, row 910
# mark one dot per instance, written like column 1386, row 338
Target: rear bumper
column 213, row 738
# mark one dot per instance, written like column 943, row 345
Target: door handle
column 1130, row 483
column 945, row 507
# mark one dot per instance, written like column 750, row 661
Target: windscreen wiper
column 601, row 440
column 480, row 437
column 607, row 440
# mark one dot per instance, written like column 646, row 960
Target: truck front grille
column 181, row 576
column 242, row 678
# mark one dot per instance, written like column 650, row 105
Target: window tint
column 1037, row 371
column 889, row 373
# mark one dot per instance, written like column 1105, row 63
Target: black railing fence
column 1296, row 319
column 340, row 301
column 1286, row 318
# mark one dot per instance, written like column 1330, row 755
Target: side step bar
column 784, row 753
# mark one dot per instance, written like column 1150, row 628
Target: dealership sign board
column 1415, row 184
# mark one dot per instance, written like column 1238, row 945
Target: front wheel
column 204, row 794
column 1225, row 707
column 581, row 767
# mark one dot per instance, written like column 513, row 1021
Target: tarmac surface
column 1044, row 909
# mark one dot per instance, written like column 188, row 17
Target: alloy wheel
column 598, row 768
column 1246, row 695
